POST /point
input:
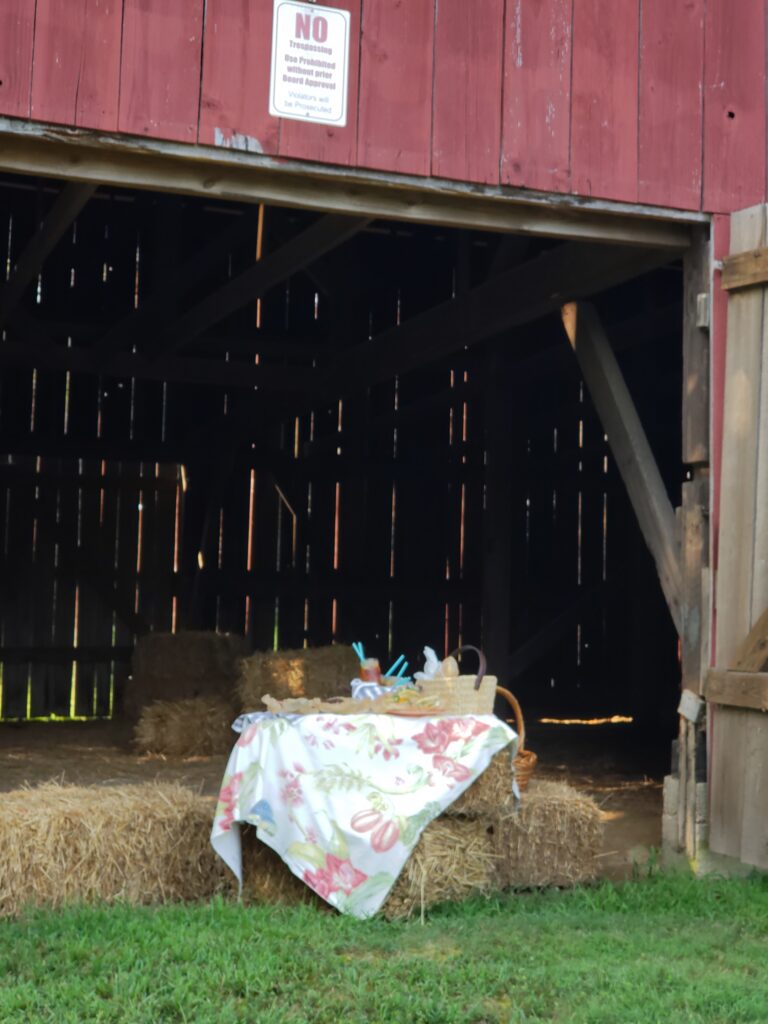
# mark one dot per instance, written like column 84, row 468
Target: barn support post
column 630, row 447
column 689, row 833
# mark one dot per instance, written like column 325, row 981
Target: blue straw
column 394, row 665
column 359, row 650
column 403, row 669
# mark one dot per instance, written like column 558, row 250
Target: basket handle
column 512, row 700
column 481, row 656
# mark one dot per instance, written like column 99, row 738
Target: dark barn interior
column 313, row 429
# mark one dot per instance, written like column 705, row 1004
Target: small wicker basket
column 463, row 695
column 526, row 760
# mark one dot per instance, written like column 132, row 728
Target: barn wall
column 635, row 101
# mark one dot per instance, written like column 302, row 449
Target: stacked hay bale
column 188, row 687
column 182, row 666
column 553, row 840
column 483, row 843
column 200, row 726
column 83, row 844
column 313, row 672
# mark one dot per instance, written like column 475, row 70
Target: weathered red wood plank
column 323, row 142
column 671, row 68
column 467, row 90
column 734, row 106
column 604, row 106
column 76, row 73
column 537, row 95
column 17, row 27
column 160, row 68
column 395, row 112
column 234, row 111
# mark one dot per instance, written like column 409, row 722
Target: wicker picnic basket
column 463, row 695
column 526, row 760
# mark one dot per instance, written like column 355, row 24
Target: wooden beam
column 752, row 654
column 629, row 446
column 190, row 273
column 59, row 218
column 745, row 269
column 63, row 655
column 518, row 296
column 323, row 236
column 696, row 281
column 737, row 689
column 29, row 147
column 234, row 374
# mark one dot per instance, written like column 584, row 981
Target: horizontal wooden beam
column 629, row 445
column 745, row 270
column 752, row 655
column 233, row 374
column 43, row 655
column 737, row 689
column 28, row 147
column 59, row 218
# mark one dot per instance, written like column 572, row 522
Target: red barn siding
column 604, row 99
column 17, row 25
column 234, row 108
column 670, row 118
column 76, row 73
column 467, row 90
column 616, row 99
column 395, row 123
column 734, row 105
column 160, row 68
column 536, row 146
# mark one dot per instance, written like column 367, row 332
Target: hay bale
column 553, row 840
column 179, row 666
column 452, row 860
column 268, row 879
column 184, row 728
column 313, row 672
column 134, row 844
column 490, row 796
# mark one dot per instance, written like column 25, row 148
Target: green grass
column 669, row 949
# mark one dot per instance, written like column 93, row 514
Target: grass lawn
column 668, row 949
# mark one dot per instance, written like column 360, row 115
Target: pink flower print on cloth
column 228, row 801
column 451, row 769
column 435, row 738
column 337, row 875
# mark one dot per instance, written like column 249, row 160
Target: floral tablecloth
column 344, row 799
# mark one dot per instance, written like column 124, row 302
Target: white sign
column 310, row 63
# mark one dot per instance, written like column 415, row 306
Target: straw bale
column 315, row 672
column 184, row 728
column 267, row 878
column 452, row 860
column 178, row 666
column 490, row 796
column 135, row 844
column 552, row 841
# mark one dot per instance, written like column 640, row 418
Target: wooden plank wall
column 616, row 99
column 738, row 737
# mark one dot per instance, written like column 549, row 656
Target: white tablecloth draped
column 343, row 799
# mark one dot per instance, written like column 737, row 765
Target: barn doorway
column 279, row 424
